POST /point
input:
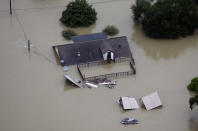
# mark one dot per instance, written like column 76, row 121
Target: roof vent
column 78, row 54
column 119, row 46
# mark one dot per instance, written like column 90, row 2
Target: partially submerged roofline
column 92, row 51
column 88, row 41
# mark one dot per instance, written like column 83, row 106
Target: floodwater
column 33, row 93
column 108, row 68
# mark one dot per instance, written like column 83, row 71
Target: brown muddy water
column 33, row 93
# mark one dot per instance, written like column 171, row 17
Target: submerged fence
column 97, row 63
column 111, row 75
column 90, row 64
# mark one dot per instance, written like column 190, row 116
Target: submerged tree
column 111, row 30
column 193, row 86
column 78, row 14
column 167, row 18
column 139, row 9
column 193, row 101
column 67, row 34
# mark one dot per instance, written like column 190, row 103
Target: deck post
column 80, row 73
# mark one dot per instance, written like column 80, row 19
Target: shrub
column 78, row 14
column 110, row 30
column 67, row 34
column 167, row 18
column 193, row 86
column 193, row 101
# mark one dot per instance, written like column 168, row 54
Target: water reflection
column 160, row 48
column 68, row 86
column 80, row 30
column 193, row 122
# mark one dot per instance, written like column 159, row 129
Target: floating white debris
column 72, row 81
column 91, row 85
column 108, row 83
column 128, row 103
column 151, row 101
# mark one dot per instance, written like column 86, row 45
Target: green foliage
column 139, row 9
column 193, row 86
column 78, row 14
column 110, row 30
column 193, row 101
column 167, row 18
column 67, row 34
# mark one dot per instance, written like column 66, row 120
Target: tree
column 167, row 18
column 78, row 14
column 139, row 9
column 193, row 86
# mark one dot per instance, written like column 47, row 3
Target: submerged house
column 108, row 49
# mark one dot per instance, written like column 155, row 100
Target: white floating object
column 91, row 85
column 129, row 103
column 72, row 81
column 151, row 101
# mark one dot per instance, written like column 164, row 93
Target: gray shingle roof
column 90, row 51
column 104, row 47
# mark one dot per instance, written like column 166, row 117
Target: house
column 109, row 49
